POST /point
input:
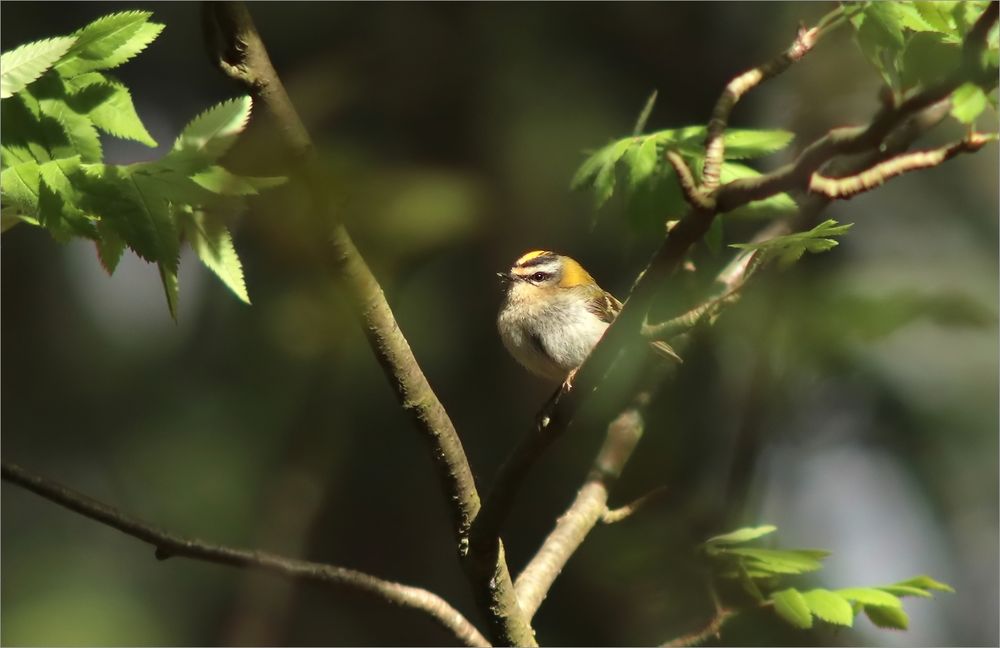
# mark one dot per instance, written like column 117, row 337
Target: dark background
column 454, row 130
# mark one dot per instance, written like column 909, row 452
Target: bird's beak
column 505, row 277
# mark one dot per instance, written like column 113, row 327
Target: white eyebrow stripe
column 549, row 266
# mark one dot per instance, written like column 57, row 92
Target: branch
column 169, row 545
column 712, row 629
column 715, row 146
column 588, row 508
column 848, row 187
column 689, row 188
column 242, row 56
column 613, row 516
column 849, row 141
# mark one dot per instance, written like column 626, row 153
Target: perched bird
column 554, row 313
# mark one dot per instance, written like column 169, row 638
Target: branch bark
column 241, row 55
column 168, row 545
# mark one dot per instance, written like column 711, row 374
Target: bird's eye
column 540, row 276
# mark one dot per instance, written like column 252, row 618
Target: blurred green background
column 852, row 400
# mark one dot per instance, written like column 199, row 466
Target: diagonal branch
column 850, row 186
column 588, row 508
column 169, row 545
column 242, row 56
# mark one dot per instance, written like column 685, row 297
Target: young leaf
column 829, row 606
column 647, row 109
column 19, row 184
column 905, row 590
column 937, row 14
column 888, row 617
column 967, row 103
column 870, row 596
column 171, row 288
column 926, row 583
column 109, row 105
column 779, row 561
column 788, row 249
column 214, row 246
column 218, row 180
column 23, row 65
column 792, row 607
column 141, row 39
column 210, row 134
column 641, row 162
column 110, row 247
column 743, row 144
column 739, row 536
column 99, row 40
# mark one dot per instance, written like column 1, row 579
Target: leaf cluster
column 760, row 571
column 637, row 168
column 57, row 96
column 789, row 248
column 915, row 44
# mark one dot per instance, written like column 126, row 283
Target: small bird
column 554, row 314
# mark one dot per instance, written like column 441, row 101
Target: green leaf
column 888, row 617
column 905, row 590
column 870, row 596
column 647, row 109
column 141, row 39
column 779, row 561
column 23, row 65
column 99, row 40
column 928, row 58
column 209, row 135
column 47, row 98
column 788, row 249
column 909, row 17
column 19, row 184
column 171, row 288
column 218, row 180
column 59, row 200
column 108, row 104
column 640, row 162
column 926, row 583
column 743, row 144
column 886, row 16
column 214, row 246
column 937, row 14
column 739, row 536
column 792, row 607
column 110, row 246
column 771, row 207
column 830, row 607
column 967, row 103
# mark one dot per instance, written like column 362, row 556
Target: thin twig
column 613, row 516
column 850, row 186
column 689, row 188
column 587, row 509
column 804, row 41
column 168, row 545
column 242, row 56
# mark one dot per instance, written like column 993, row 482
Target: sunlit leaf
column 829, row 607
column 792, row 607
column 739, row 536
column 888, row 617
column 967, row 103
column 23, row 65
column 213, row 244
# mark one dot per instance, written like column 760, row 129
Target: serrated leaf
column 641, row 162
column 743, row 144
column 59, row 199
column 110, row 247
column 888, row 617
column 209, row 135
column 789, row 248
column 792, row 607
column 47, row 98
column 829, row 607
column 967, row 103
column 885, row 15
column 905, row 590
column 937, row 14
column 108, row 104
column 739, row 536
column 213, row 244
column 171, row 288
column 928, row 58
column 647, row 110
column 870, row 596
column 19, row 184
column 218, row 180
column 927, row 583
column 99, row 40
column 909, row 17
column 778, row 561
column 26, row 63
column 139, row 41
